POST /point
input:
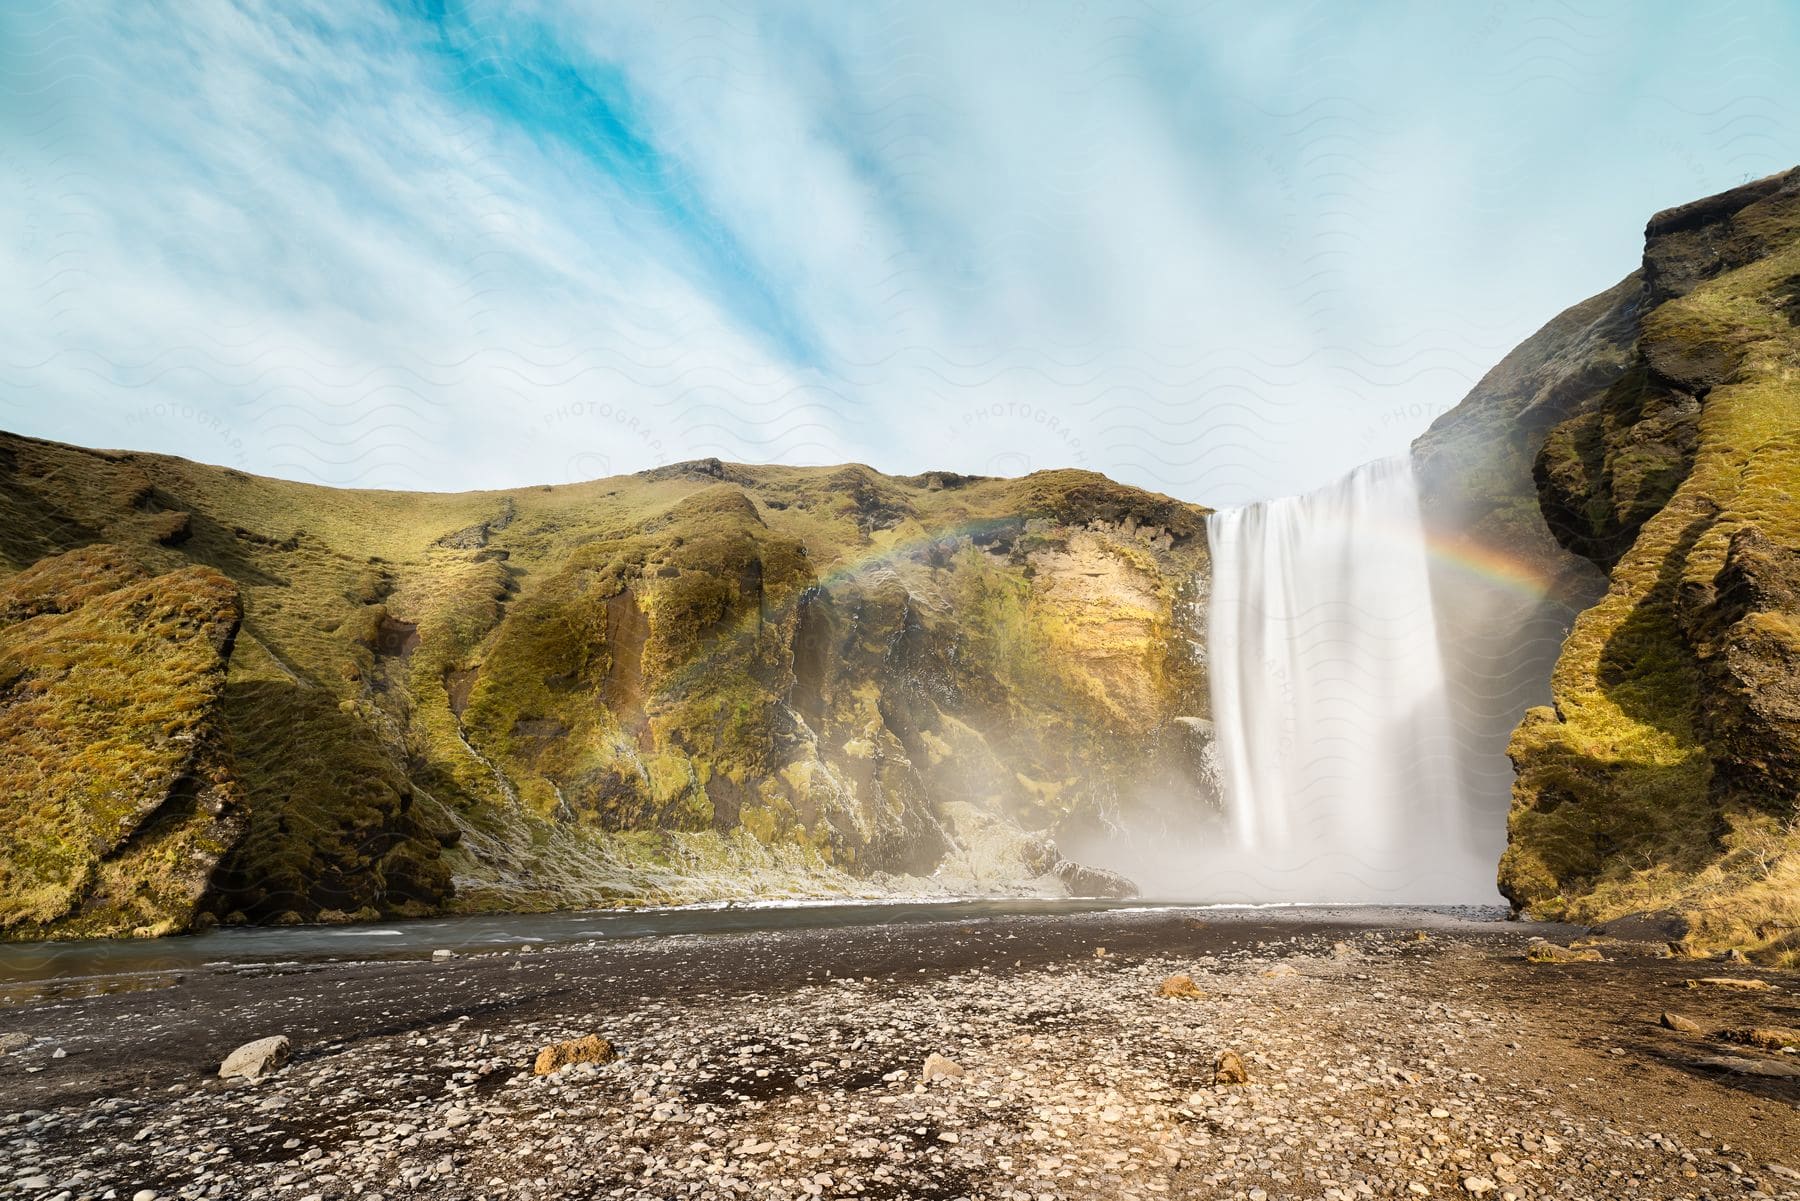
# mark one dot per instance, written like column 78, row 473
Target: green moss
column 495, row 688
column 1623, row 800
column 115, row 808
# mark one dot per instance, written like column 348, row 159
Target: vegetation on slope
column 705, row 680
column 117, row 800
column 1665, row 777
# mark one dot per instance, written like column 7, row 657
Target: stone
column 1741, row 983
column 1769, row 1038
column 590, row 1048
column 1549, row 952
column 13, row 1041
column 253, row 1059
column 1282, row 970
column 1084, row 881
column 1674, row 1021
column 1182, row 987
column 1743, row 1065
column 442, row 953
column 940, row 1067
column 1230, row 1069
column 1478, row 1185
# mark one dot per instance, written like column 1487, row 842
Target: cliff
column 705, row 681
column 1661, row 425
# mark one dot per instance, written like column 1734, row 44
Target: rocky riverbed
column 1392, row 1054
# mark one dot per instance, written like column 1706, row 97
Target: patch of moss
column 118, row 801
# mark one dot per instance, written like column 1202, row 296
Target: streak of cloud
column 1220, row 253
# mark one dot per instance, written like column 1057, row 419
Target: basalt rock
column 1083, row 881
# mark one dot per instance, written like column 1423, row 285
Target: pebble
column 1078, row 1083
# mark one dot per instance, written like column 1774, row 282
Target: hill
column 705, row 681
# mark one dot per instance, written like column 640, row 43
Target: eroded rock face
column 1669, row 761
column 1746, row 633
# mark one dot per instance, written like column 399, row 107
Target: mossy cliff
column 231, row 698
column 118, row 796
column 1664, row 777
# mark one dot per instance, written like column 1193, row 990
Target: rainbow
column 1512, row 573
column 1477, row 560
column 902, row 548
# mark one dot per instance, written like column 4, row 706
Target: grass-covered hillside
column 234, row 698
column 1665, row 777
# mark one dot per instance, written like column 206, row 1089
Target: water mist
column 1338, row 762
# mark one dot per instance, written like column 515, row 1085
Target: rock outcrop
column 706, row 681
column 1662, row 427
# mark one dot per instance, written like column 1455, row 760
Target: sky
column 1221, row 251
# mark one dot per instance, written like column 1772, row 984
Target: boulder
column 1674, row 1021
column 1230, row 1069
column 1769, row 1038
column 589, row 1048
column 1084, row 881
column 1182, row 987
column 1549, row 952
column 252, row 1060
column 940, row 1067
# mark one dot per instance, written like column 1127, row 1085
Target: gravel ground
column 1383, row 1060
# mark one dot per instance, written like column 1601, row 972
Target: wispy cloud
column 1220, row 254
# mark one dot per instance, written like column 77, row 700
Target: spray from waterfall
column 1336, row 753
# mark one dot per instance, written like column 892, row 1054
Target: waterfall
column 1337, row 757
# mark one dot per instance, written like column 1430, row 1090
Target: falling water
column 1334, row 743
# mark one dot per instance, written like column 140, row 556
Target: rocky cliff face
column 1662, row 429
column 702, row 681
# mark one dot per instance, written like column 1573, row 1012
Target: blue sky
column 1224, row 254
